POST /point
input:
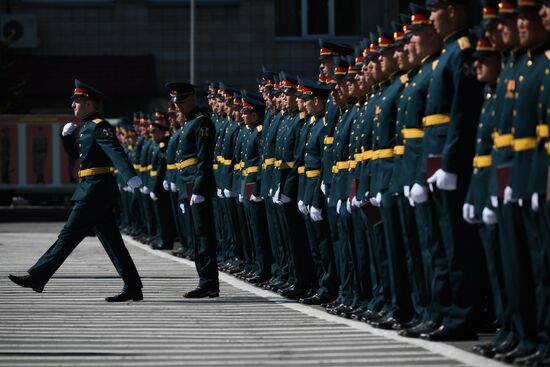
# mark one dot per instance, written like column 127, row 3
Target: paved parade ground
column 71, row 324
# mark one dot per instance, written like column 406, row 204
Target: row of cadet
column 406, row 187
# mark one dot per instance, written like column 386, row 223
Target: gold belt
column 186, row 163
column 399, row 150
column 382, row 153
column 137, row 166
column 154, row 173
column 542, row 130
column 437, row 119
column 412, row 133
column 225, row 162
column 522, row 144
column 358, row 157
column 547, row 146
column 251, row 169
column 367, row 155
column 95, row 171
column 482, row 161
column 215, row 167
column 171, row 167
column 301, row 170
column 268, row 162
column 238, row 166
column 340, row 166
column 329, row 140
column 502, row 141
column 283, row 165
column 313, row 173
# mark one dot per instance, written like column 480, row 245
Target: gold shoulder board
column 547, row 53
column 96, row 121
column 464, row 43
column 434, row 64
column 404, row 78
column 162, row 145
column 259, row 128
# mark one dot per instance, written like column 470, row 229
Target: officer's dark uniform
column 196, row 143
column 453, row 104
column 99, row 153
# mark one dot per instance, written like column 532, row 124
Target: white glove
column 535, row 202
column 338, row 205
column 419, row 193
column 196, row 199
column 315, row 214
column 468, row 213
column 285, row 199
column 270, row 193
column 219, row 193
column 255, row 198
column 173, row 187
column 407, row 193
column 443, row 180
column 276, row 197
column 153, row 196
column 323, row 188
column 145, row 190
column 507, row 195
column 182, row 207
column 166, row 185
column 134, row 182
column 356, row 203
column 68, row 129
column 227, row 193
column 302, row 208
column 489, row 216
column 348, row 205
column 376, row 200
column 520, row 203
column 240, row 198
column 494, row 201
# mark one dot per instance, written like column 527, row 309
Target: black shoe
column 26, row 281
column 336, row 310
column 406, row 325
column 316, row 299
column 387, row 323
column 506, row 346
column 347, row 312
column 423, row 328
column 331, row 304
column 202, row 293
column 159, row 246
column 371, row 315
column 485, row 350
column 256, row 279
column 534, row 359
column 127, row 295
column 445, row 334
column 511, row 356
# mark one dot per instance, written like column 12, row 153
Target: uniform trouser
column 401, row 304
column 518, row 280
column 205, row 244
column 177, row 216
column 221, row 237
column 235, row 249
column 361, row 255
column 415, row 263
column 534, row 223
column 165, row 221
column 148, row 216
column 489, row 239
column 279, row 268
column 543, row 304
column 433, row 259
column 85, row 216
column 461, row 254
column 137, row 225
column 347, row 238
column 257, row 222
column 246, row 237
column 341, row 260
column 294, row 245
column 378, row 265
column 322, row 255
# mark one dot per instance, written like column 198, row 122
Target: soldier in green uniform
column 161, row 200
column 453, row 104
column 314, row 96
column 253, row 114
column 531, row 72
column 284, row 185
column 94, row 197
column 145, row 169
column 196, row 185
column 423, row 49
column 488, row 66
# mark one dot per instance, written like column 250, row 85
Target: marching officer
column 99, row 153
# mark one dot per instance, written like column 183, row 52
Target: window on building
column 315, row 18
